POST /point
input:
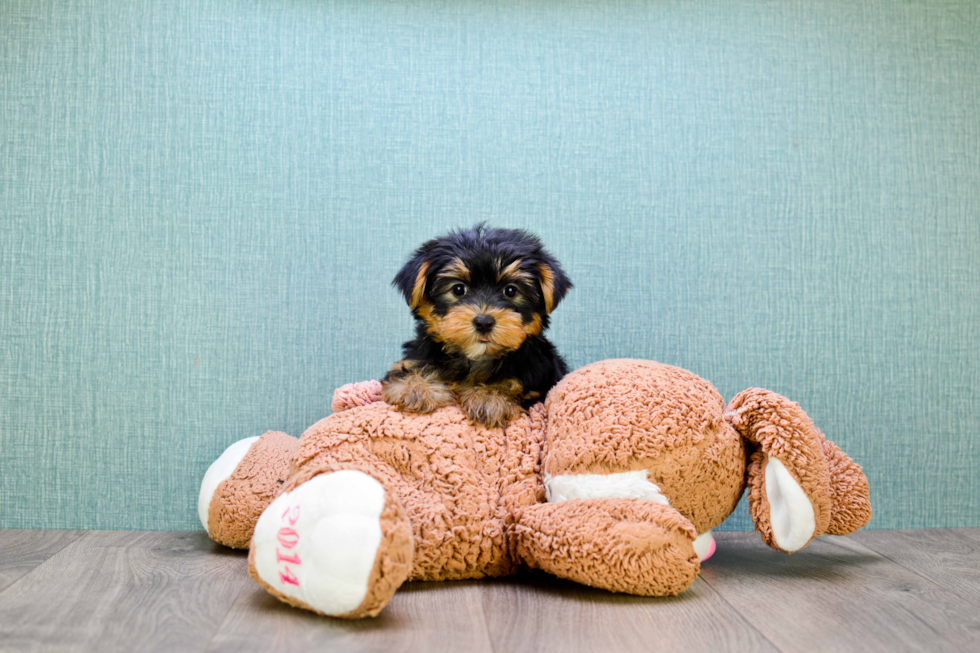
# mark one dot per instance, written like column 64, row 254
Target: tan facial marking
column 513, row 272
column 533, row 327
column 547, row 286
column 508, row 334
column 456, row 270
column 426, row 312
column 456, row 330
column 418, row 290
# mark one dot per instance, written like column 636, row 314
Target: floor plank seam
column 221, row 624
column 968, row 599
column 739, row 613
column 486, row 622
column 45, row 561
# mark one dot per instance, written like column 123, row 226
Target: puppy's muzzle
column 484, row 324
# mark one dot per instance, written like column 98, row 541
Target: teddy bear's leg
column 336, row 541
column 240, row 484
column 622, row 545
column 789, row 480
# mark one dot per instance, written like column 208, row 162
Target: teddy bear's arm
column 622, row 545
column 351, row 395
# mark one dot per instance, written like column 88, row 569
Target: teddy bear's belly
column 458, row 536
column 460, row 486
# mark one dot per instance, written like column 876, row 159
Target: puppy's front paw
column 416, row 393
column 489, row 407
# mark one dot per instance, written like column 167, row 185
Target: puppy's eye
column 510, row 291
column 459, row 290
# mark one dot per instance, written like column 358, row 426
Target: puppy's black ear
column 555, row 284
column 410, row 280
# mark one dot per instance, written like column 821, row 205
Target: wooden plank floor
column 178, row 591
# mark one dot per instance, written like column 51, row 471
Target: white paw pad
column 318, row 543
column 790, row 511
column 704, row 545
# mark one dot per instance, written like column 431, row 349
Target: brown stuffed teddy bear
column 614, row 481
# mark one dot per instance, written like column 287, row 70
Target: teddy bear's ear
column 788, row 476
column 555, row 284
column 850, row 490
column 411, row 279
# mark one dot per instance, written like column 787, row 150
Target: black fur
column 535, row 364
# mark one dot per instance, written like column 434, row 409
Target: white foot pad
column 704, row 545
column 318, row 543
column 219, row 470
column 790, row 511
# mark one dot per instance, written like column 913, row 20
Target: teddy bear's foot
column 622, row 545
column 338, row 543
column 240, row 484
column 705, row 546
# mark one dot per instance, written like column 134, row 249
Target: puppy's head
column 482, row 292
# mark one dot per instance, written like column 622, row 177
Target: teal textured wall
column 203, row 203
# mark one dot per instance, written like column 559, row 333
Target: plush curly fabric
column 460, row 483
column 637, row 458
column 780, row 429
column 849, row 490
column 257, row 480
column 621, row 545
column 355, row 394
column 623, row 415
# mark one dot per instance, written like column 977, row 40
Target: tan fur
column 418, row 290
column 404, row 365
column 456, row 330
column 491, row 404
column 547, row 286
column 416, row 392
column 513, row 272
column 533, row 327
column 426, row 311
column 456, row 270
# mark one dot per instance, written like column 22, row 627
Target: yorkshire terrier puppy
column 481, row 300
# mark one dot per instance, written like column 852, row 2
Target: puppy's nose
column 484, row 323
